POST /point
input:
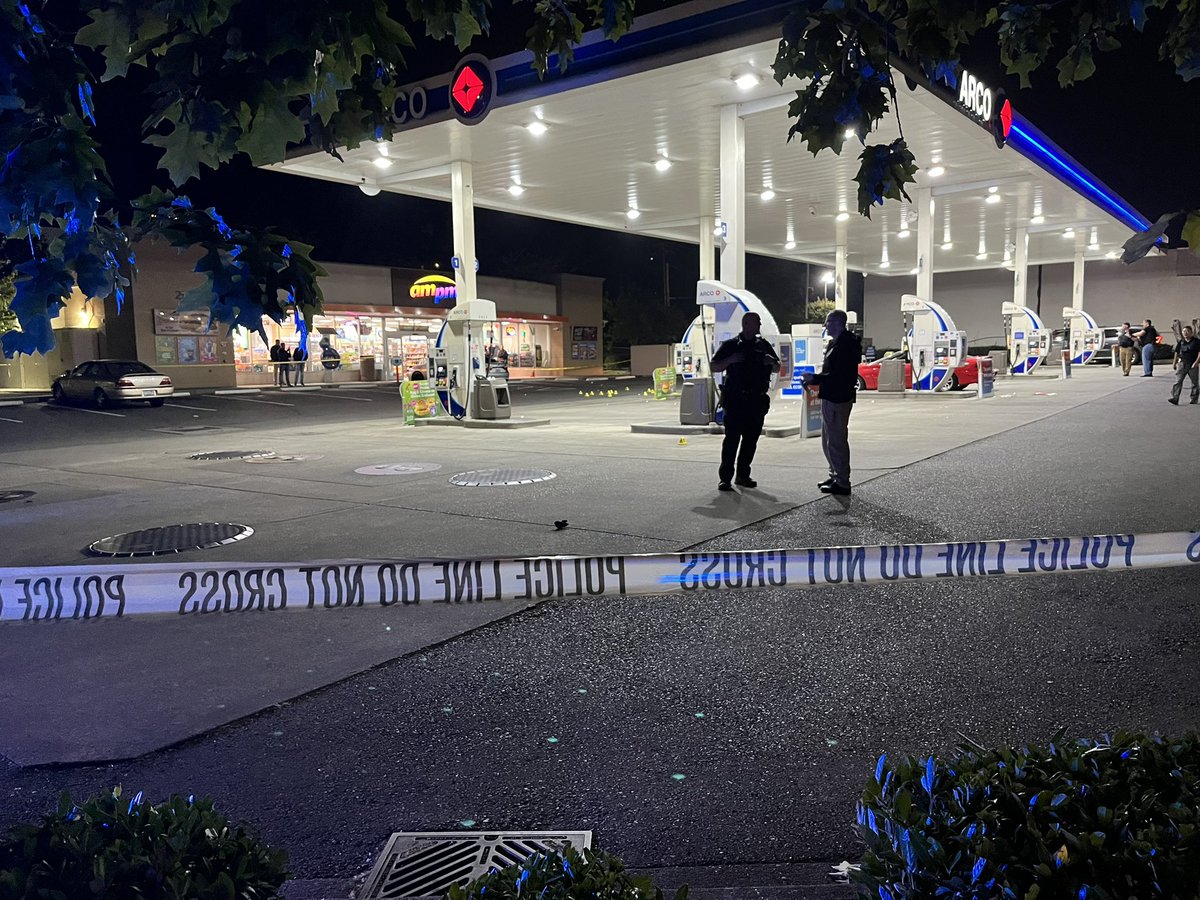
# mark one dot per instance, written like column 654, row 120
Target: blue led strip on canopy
column 1024, row 138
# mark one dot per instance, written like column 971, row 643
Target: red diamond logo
column 467, row 89
column 1006, row 119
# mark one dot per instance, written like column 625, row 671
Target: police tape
column 67, row 593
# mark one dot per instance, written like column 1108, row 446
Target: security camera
column 812, row 210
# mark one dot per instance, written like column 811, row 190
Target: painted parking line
column 94, row 412
column 252, row 400
column 181, row 406
column 18, row 421
column 342, row 396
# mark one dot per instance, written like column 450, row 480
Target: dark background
column 1133, row 124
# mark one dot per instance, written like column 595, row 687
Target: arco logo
column 472, row 87
column 433, row 287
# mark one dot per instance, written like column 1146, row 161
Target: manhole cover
column 12, row 496
column 490, row 477
column 171, row 539
column 188, row 429
column 426, row 864
column 227, row 454
column 270, row 457
column 398, row 469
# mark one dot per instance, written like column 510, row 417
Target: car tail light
column 166, row 382
column 124, row 382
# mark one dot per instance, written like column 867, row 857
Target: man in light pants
column 837, row 383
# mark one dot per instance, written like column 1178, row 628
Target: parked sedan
column 961, row 377
column 108, row 381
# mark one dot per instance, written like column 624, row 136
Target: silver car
column 108, row 381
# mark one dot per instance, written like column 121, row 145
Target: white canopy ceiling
column 597, row 155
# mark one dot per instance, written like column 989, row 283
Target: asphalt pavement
column 720, row 738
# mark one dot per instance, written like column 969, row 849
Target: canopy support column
column 925, row 206
column 462, row 204
column 733, row 196
column 707, row 248
column 840, row 300
column 1077, row 279
column 1020, row 266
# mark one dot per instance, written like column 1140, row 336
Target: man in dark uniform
column 1187, row 364
column 838, row 384
column 747, row 361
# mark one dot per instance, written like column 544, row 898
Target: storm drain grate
column 492, row 477
column 171, row 539
column 398, row 469
column 12, row 496
column 227, row 454
column 416, row 865
column 270, row 456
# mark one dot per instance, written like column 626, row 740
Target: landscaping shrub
column 116, row 850
column 564, row 875
column 1086, row 819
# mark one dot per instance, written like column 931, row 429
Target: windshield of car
column 130, row 367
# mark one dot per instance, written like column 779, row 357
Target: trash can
column 490, row 400
column 891, row 376
column 696, row 402
column 366, row 368
column 999, row 361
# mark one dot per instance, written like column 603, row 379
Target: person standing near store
column 1147, row 338
column 1187, row 365
column 300, row 358
column 837, row 383
column 1125, row 345
column 747, row 361
column 277, row 362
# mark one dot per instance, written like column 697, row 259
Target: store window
column 184, row 339
column 527, row 343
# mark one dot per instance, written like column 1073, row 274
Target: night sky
column 1134, row 124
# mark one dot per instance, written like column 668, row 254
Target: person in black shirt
column 1187, row 365
column 1147, row 338
column 747, row 361
column 838, row 385
column 1125, row 345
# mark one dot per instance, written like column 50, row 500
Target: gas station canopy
column 629, row 138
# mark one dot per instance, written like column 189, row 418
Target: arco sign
column 986, row 105
column 472, row 87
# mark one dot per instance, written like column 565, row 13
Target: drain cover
column 424, row 864
column 12, row 496
column 171, row 539
column 398, row 469
column 189, row 429
column 271, row 457
column 490, row 477
column 227, row 454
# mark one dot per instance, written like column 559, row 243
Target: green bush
column 111, row 849
column 1114, row 818
column 564, row 875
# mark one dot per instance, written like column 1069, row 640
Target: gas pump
column 458, row 355
column 1083, row 335
column 720, row 318
column 1027, row 338
column 935, row 347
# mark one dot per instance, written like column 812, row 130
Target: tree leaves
column 1191, row 230
column 265, row 136
column 884, row 171
column 1142, row 242
column 110, row 30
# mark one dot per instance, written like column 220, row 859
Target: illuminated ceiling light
column 767, row 195
column 994, row 189
column 1093, row 247
column 885, row 264
column 515, row 189
column 1037, row 220
column 994, row 198
column 717, row 231
column 903, row 232
column 937, row 172
column 843, row 216
column 745, row 78
column 1111, row 254
column 981, row 256
column 382, row 162
column 662, row 163
column 790, row 245
column 827, row 278
column 851, row 134
column 1069, row 233
column 370, row 190
column 536, row 128
column 915, row 270
column 382, row 148
column 948, row 245
column 632, row 213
